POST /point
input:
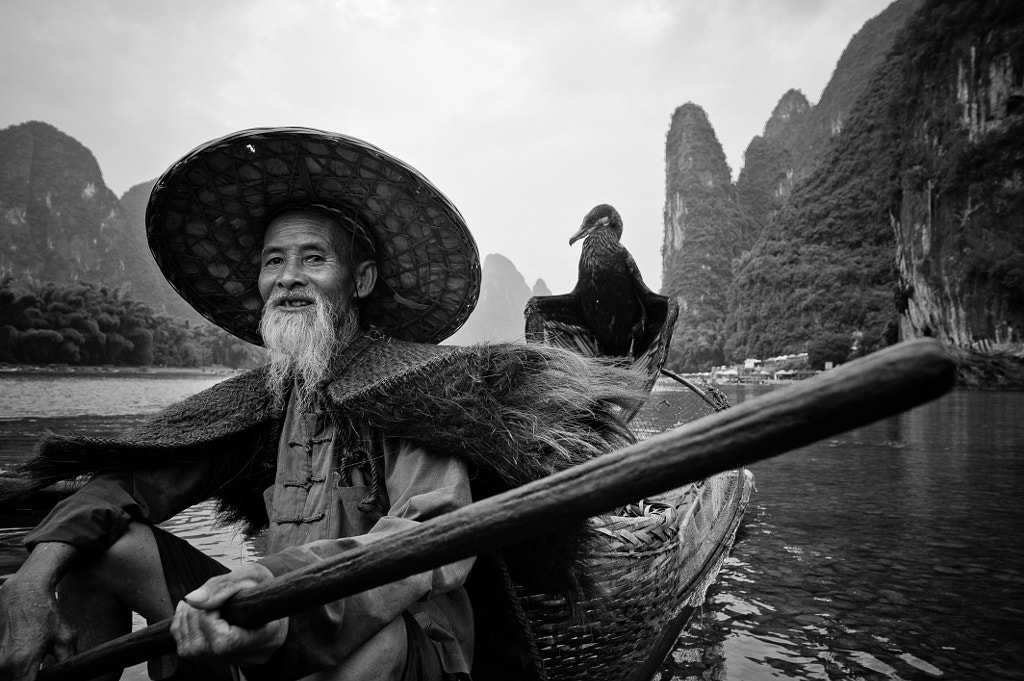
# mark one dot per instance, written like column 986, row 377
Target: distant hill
column 809, row 134
column 499, row 312
column 59, row 222
column 797, row 134
column 150, row 284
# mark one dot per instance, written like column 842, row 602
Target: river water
column 891, row 552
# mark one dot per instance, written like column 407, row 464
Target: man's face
column 307, row 282
column 302, row 251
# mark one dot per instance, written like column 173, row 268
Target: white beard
column 302, row 345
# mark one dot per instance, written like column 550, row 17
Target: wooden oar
column 871, row 388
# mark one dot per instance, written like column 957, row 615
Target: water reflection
column 891, row 552
column 50, row 395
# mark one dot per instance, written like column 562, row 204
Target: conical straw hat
column 207, row 214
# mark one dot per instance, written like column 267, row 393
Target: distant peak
column 792, row 105
column 692, row 149
column 691, row 111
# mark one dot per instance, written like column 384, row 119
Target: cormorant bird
column 610, row 312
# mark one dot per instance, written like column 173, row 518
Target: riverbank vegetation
column 83, row 324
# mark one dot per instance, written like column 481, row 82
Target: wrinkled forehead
column 303, row 225
column 348, row 237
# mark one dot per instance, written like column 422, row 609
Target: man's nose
column 292, row 275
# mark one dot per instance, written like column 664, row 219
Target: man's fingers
column 217, row 590
column 25, row 668
column 187, row 637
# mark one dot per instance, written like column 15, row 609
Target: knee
column 129, row 571
column 133, row 554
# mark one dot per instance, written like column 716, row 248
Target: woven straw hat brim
column 207, row 214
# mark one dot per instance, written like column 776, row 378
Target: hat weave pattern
column 207, row 214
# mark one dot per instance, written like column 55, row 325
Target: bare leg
column 382, row 658
column 98, row 598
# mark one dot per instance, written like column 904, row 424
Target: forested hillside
column 902, row 219
column 735, row 218
column 86, row 324
column 77, row 282
column 909, row 226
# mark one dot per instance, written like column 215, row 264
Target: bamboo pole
column 874, row 387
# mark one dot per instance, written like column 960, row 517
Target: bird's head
column 602, row 217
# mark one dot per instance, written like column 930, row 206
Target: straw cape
column 513, row 412
column 207, row 214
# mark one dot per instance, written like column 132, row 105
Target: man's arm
column 79, row 528
column 30, row 624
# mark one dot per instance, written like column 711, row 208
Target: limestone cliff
column 960, row 246
column 909, row 225
column 704, row 231
column 58, row 220
column 769, row 169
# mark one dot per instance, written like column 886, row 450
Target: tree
column 831, row 347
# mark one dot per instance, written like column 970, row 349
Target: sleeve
column 96, row 516
column 420, row 486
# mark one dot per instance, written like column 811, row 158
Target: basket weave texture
column 652, row 558
column 636, row 568
column 207, row 213
column 648, row 567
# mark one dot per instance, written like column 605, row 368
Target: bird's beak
column 580, row 233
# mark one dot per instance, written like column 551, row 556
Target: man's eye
column 315, row 259
column 272, row 262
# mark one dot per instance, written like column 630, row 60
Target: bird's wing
column 651, row 350
column 638, row 279
column 659, row 312
column 653, row 334
column 556, row 320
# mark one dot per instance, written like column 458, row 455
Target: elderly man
column 338, row 258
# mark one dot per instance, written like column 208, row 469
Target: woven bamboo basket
column 649, row 566
column 653, row 559
column 635, row 568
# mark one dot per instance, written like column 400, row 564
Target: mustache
column 280, row 296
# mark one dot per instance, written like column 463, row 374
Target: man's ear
column 366, row 277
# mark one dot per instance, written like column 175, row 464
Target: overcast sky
column 525, row 113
